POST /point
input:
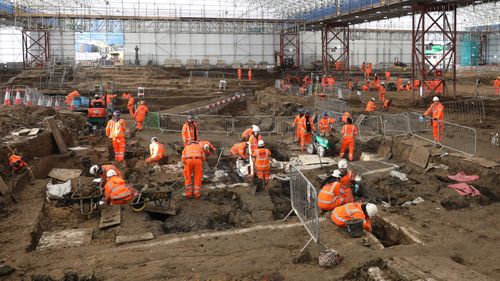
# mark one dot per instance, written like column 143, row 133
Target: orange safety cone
column 6, row 100
column 28, row 101
column 18, row 97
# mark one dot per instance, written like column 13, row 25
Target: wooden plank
column 64, row 174
column 56, row 133
column 419, row 156
column 3, row 187
column 110, row 216
column 65, row 238
column 160, row 210
column 121, row 239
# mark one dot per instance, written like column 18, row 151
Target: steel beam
column 335, row 46
column 35, row 48
column 290, row 47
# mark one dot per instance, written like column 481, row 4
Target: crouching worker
column 156, row 151
column 192, row 158
column 102, row 171
column 116, row 192
column 341, row 215
column 239, row 151
column 333, row 195
column 18, row 165
column 208, row 148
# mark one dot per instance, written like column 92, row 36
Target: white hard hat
column 371, row 210
column 206, row 147
column 260, row 143
column 94, row 170
column 336, row 174
column 154, row 139
column 342, row 164
column 358, row 178
column 373, row 99
column 435, row 99
column 255, row 128
column 382, row 83
column 111, row 173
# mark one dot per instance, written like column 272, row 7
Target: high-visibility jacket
column 130, row 102
column 16, row 162
column 327, row 196
column 363, row 67
column 370, row 106
column 303, row 125
column 109, row 98
column 141, row 112
column 253, row 140
column 115, row 129
column 400, row 84
column 211, row 147
column 106, row 168
column 296, row 120
column 387, row 75
column 325, row 124
column 382, row 90
column 323, row 81
column 240, row 150
column 239, row 73
column 246, row 134
column 345, row 116
column 416, row 83
column 126, row 96
column 193, row 151
column 436, row 110
column 189, row 132
column 331, row 81
column 333, row 195
column 116, row 191
column 349, row 131
column 262, row 159
column 387, row 103
column 250, row 75
column 496, row 83
column 365, row 88
column 307, row 81
column 347, row 180
column 350, row 211
column 156, row 149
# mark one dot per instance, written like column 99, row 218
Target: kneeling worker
column 263, row 162
column 192, row 158
column 333, row 195
column 156, row 150
column 101, row 171
column 350, row 211
column 239, row 150
column 116, row 191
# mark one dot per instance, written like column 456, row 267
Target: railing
column 267, row 124
column 471, row 109
column 396, row 125
column 329, row 104
column 304, row 200
column 370, row 126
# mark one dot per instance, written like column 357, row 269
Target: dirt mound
column 19, row 116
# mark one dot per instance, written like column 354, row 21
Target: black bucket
column 355, row 227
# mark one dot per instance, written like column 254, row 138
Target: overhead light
column 356, row 17
column 378, row 12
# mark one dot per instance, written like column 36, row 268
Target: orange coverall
column 387, row 76
column 345, row 116
column 349, row 211
column 381, row 93
column 324, row 125
column 192, row 158
column 370, row 106
column 239, row 150
column 117, row 192
column 263, row 164
column 253, row 140
column 333, row 195
column 250, row 75
column 16, row 162
column 239, row 73
column 156, row 151
column 323, row 83
column 140, row 115
column 210, row 147
column 496, row 84
column 109, row 98
column 130, row 106
column 436, row 110
column 305, row 135
column 246, row 134
column 296, row 122
column 115, row 130
column 331, row 82
column 189, row 132
column 105, row 169
column 369, row 70
column 363, row 67
column 348, row 133
column 399, row 84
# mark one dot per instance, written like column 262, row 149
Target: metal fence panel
column 267, row 124
column 370, row 126
column 396, row 125
column 285, row 125
column 215, row 123
column 152, row 121
column 329, row 104
column 172, row 122
column 471, row 109
column 304, row 200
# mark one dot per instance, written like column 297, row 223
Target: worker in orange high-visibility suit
column 349, row 132
column 306, row 128
column 247, row 133
column 101, row 171
column 496, row 85
column 192, row 158
column 296, row 122
column 387, row 75
column 408, row 86
column 130, row 105
column 116, row 191
column 438, row 86
column 331, row 82
column 71, row 96
column 189, row 130
column 239, row 73
column 341, row 215
column 347, row 177
column 208, row 148
column 416, row 83
column 338, row 65
column 109, row 102
column 356, row 82
column 370, row 106
column 387, row 104
column 17, row 164
column 323, row 83
column 345, row 116
column 239, row 150
column 436, row 110
column 263, row 162
column 325, row 125
column 376, row 82
column 369, row 70
column 333, row 194
column 140, row 115
column 366, row 86
column 350, row 86
column 115, row 130
column 381, row 92
column 363, row 67
column 254, row 139
column 156, row 151
column 250, row 74
column 126, row 96
column 399, row 84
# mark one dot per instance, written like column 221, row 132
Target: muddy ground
column 236, row 233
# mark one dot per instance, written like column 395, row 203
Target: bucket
column 355, row 227
column 87, row 163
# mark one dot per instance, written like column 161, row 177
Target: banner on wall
column 106, row 48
